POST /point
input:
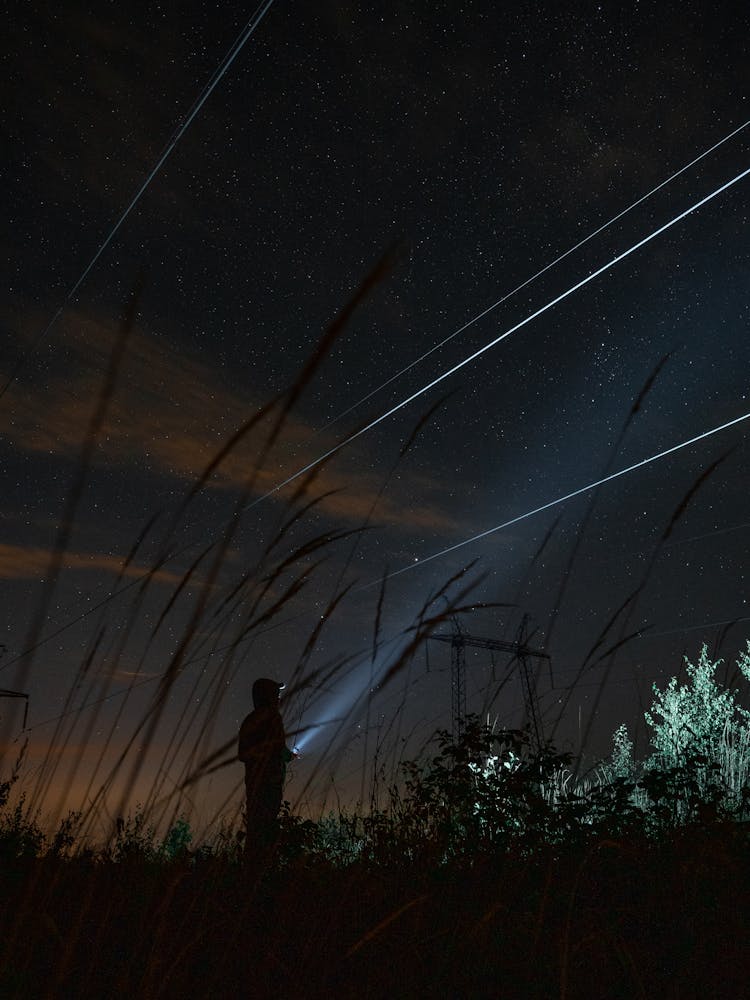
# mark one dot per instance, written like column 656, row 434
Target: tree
column 697, row 718
column 700, row 736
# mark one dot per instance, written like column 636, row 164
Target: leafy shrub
column 622, row 765
column 699, row 769
column 340, row 838
column 296, row 836
column 696, row 716
column 176, row 843
column 134, row 840
column 488, row 791
column 20, row 835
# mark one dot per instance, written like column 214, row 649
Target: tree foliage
column 699, row 766
column 698, row 716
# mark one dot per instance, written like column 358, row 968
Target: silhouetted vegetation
column 490, row 871
column 485, row 867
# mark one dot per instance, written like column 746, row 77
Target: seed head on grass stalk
column 225, row 755
column 64, row 725
column 267, row 614
column 422, row 422
column 49, row 768
column 150, row 722
column 225, row 676
column 101, row 678
column 417, row 633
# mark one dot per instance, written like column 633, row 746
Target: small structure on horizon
column 459, row 639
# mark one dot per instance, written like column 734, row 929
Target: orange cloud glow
column 172, row 413
column 19, row 562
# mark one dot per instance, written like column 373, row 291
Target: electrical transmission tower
column 459, row 640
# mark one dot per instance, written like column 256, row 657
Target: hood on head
column 266, row 692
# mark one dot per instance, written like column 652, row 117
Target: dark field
column 618, row 918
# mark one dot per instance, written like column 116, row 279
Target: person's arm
column 262, row 740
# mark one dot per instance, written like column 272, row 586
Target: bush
column 176, row 843
column 699, row 769
column 488, row 791
column 20, row 835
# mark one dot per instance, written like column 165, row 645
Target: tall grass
column 445, row 856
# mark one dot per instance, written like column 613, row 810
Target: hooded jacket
column 262, row 743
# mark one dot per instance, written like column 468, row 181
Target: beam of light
column 343, row 701
column 528, row 281
column 349, row 694
column 563, row 499
column 227, row 61
column 496, row 340
column 303, row 740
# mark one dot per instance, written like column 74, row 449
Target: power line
column 155, row 677
column 496, row 340
column 474, row 538
column 528, row 281
column 440, row 378
column 90, row 704
column 152, row 678
column 693, row 628
column 562, row 499
column 208, row 89
column 437, row 555
column 708, row 534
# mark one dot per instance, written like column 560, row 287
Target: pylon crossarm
column 459, row 640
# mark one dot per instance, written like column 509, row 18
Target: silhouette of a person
column 262, row 749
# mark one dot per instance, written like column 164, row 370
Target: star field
column 479, row 144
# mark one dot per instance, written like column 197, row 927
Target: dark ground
column 618, row 919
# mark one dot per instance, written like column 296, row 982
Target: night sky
column 475, row 144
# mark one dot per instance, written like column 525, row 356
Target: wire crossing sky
column 538, row 274
column 472, row 357
column 492, row 142
column 227, row 61
column 492, row 343
column 475, row 538
column 566, row 497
